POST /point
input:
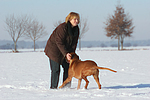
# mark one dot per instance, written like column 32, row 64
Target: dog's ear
column 77, row 56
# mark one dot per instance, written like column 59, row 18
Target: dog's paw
column 60, row 87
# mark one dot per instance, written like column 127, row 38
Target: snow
column 25, row 76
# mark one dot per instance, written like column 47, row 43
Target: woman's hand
column 68, row 56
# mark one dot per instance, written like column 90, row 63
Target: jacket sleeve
column 60, row 40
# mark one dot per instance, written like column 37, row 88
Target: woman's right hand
column 68, row 56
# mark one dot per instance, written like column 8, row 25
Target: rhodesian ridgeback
column 81, row 69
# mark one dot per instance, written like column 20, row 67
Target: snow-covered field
column 25, row 76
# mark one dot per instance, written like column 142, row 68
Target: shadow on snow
column 134, row 86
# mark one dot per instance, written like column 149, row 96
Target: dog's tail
column 103, row 68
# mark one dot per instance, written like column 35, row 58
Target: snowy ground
column 25, row 76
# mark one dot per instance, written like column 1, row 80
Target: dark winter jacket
column 63, row 40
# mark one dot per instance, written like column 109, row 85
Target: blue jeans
column 55, row 72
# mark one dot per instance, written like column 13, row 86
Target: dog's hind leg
column 65, row 82
column 87, row 82
column 97, row 79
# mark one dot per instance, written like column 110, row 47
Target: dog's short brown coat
column 81, row 69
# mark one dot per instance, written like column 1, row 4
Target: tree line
column 117, row 26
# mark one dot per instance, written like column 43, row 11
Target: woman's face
column 74, row 22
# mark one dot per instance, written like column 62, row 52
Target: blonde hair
column 71, row 16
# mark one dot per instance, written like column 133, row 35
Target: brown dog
column 81, row 69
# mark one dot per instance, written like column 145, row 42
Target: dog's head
column 74, row 56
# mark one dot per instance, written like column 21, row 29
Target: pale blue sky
column 96, row 11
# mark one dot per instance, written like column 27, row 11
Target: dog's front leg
column 79, row 83
column 65, row 82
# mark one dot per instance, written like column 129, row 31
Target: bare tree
column 119, row 26
column 35, row 30
column 15, row 26
column 83, row 26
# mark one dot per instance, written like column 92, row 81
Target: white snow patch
column 25, row 76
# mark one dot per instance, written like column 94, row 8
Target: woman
column 62, row 41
